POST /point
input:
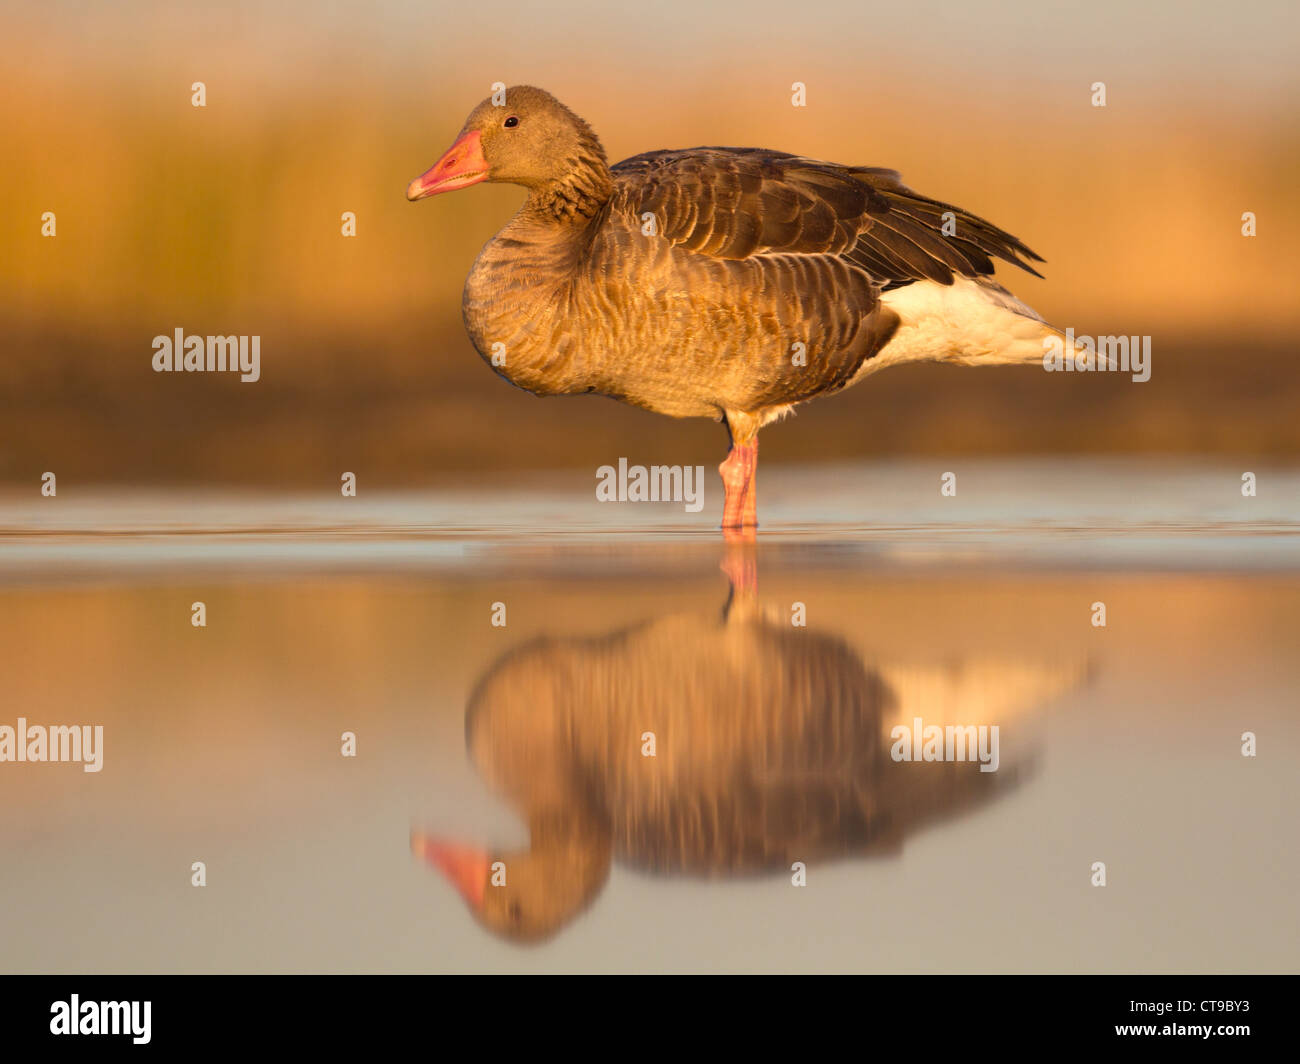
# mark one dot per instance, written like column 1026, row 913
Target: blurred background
column 226, row 219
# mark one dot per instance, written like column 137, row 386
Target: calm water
column 524, row 742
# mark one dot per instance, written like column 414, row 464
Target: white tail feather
column 970, row 323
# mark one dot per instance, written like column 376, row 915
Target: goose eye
column 511, row 122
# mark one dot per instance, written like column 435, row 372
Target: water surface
column 374, row 615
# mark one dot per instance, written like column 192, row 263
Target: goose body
column 729, row 283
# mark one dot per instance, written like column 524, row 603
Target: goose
column 772, row 745
column 728, row 283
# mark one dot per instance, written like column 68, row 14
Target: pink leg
column 739, row 479
column 741, row 566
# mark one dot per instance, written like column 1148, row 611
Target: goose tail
column 971, row 322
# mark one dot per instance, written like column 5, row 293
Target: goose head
column 524, row 136
column 526, row 896
column 517, row 730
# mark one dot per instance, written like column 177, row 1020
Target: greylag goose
column 773, row 745
column 729, row 283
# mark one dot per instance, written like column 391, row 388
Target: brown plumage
column 772, row 745
column 729, row 283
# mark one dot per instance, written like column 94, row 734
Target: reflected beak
column 464, row 866
column 462, row 165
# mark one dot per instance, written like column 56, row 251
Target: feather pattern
column 729, row 283
column 736, row 202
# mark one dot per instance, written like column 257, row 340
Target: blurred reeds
column 226, row 219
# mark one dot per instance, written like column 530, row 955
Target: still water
column 653, row 735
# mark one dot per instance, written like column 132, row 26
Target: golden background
column 226, row 219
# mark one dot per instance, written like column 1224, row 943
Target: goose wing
column 736, row 203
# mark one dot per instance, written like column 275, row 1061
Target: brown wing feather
column 735, row 203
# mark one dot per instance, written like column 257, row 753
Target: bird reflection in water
column 771, row 745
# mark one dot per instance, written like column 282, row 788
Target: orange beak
column 462, row 165
column 465, row 867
